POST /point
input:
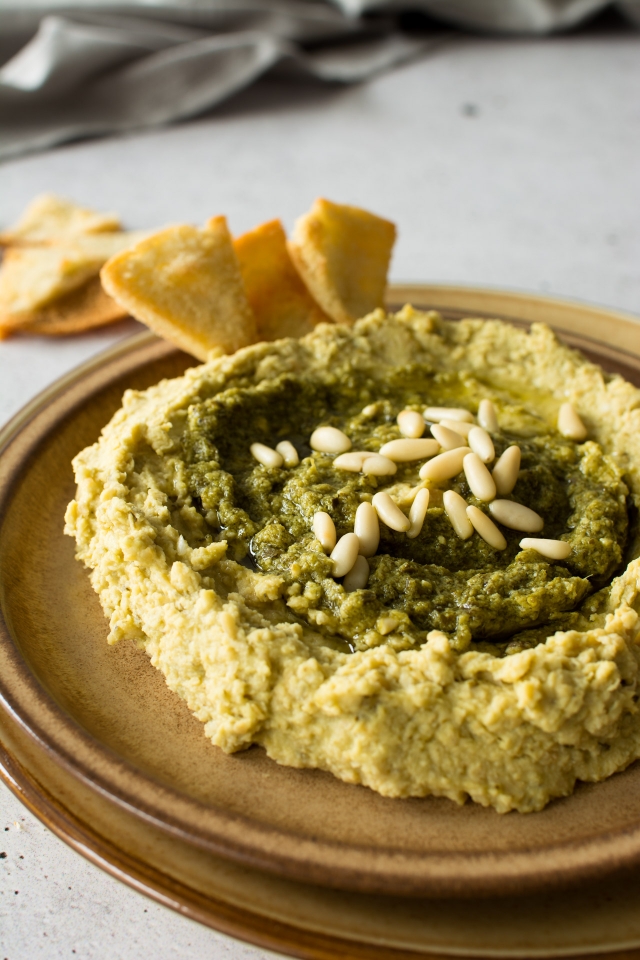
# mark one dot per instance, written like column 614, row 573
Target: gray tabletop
column 505, row 163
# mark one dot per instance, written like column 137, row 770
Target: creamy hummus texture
column 459, row 670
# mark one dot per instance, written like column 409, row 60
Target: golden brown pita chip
column 185, row 284
column 342, row 253
column 51, row 219
column 82, row 309
column 34, row 277
column 282, row 305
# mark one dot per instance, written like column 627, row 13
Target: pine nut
column 329, row 440
column 458, row 426
column 417, row 513
column 379, row 466
column 357, row 577
column 445, row 465
column 486, row 528
column 482, row 444
column 569, row 423
column 553, row 549
column 413, row 492
column 352, row 460
column 386, row 625
column 403, row 450
column 506, row 470
column 456, row 509
column 265, row 455
column 411, row 424
column 367, row 529
column 344, row 554
column 487, row 416
column 448, row 439
column 390, row 513
column 288, row 453
column 325, row 530
column 479, row 478
column 516, row 516
column 447, row 413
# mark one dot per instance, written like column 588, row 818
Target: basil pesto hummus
column 458, row 660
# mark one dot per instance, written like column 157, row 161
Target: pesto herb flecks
column 435, row 581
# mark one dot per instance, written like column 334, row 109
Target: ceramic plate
column 317, row 923
column 105, row 717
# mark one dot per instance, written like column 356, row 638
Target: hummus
column 459, row 669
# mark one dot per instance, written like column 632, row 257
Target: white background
column 504, row 163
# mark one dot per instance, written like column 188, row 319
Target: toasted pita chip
column 34, row 277
column 185, row 284
column 51, row 219
column 282, row 305
column 342, row 253
column 82, row 309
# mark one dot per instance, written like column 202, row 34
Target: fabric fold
column 92, row 67
column 78, row 80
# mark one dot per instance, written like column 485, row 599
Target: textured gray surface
column 54, row 904
column 504, row 163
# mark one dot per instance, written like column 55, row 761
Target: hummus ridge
column 508, row 731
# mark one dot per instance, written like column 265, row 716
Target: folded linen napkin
column 93, row 67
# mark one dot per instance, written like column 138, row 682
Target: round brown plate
column 597, row 920
column 106, row 717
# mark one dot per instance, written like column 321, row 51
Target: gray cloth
column 93, row 67
column 503, row 16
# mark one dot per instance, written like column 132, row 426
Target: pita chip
column 82, row 309
column 282, row 305
column 185, row 283
column 342, row 253
column 32, row 278
column 52, row 219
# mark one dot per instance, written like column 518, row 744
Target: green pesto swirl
column 476, row 594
